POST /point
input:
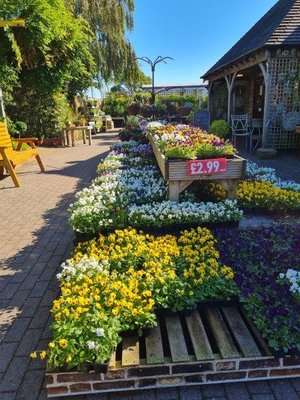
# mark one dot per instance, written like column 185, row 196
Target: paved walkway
column 286, row 164
column 35, row 239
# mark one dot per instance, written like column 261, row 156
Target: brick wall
column 171, row 375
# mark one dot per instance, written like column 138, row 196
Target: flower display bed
column 175, row 172
column 175, row 303
column 213, row 344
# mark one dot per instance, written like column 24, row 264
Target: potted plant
column 133, row 108
column 220, row 128
column 91, row 347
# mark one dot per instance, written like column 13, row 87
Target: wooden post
column 209, row 95
column 174, row 190
column 265, row 67
column 230, row 185
column 89, row 133
column 230, row 82
column 73, row 137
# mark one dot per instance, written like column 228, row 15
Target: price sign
column 207, row 167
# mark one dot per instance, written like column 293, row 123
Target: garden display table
column 176, row 172
column 69, row 134
column 119, row 122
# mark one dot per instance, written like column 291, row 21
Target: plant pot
column 183, row 111
column 101, row 368
column 83, row 368
column 133, row 109
column 169, row 312
column 147, row 113
column 129, row 333
column 146, row 331
column 53, row 142
column 218, row 303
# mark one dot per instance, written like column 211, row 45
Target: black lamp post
column 153, row 65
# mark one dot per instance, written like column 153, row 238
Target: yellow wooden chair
column 9, row 157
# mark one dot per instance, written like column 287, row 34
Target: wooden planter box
column 175, row 172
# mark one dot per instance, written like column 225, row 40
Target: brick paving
column 35, row 239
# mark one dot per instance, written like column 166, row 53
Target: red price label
column 207, row 167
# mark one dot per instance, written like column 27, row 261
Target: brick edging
column 172, row 375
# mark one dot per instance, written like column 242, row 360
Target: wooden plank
column 160, row 158
column 177, row 343
column 184, row 184
column 240, row 332
column 174, row 190
column 112, row 363
column 154, row 347
column 221, row 334
column 256, row 333
column 199, row 337
column 131, row 351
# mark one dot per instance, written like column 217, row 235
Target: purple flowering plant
column 258, row 257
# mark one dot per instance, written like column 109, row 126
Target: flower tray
column 266, row 212
column 174, row 229
column 212, row 345
column 175, row 172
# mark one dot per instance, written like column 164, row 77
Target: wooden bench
column 9, row 157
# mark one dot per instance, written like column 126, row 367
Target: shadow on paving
column 28, row 287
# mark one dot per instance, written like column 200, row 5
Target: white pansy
column 264, row 174
column 91, row 345
column 293, row 277
column 86, row 265
column 99, row 332
column 185, row 212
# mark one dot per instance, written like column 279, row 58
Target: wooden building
column 260, row 76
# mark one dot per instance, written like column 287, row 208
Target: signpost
column 202, row 119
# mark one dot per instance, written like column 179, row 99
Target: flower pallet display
column 176, row 173
column 212, row 344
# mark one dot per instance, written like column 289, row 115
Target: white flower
column 91, row 344
column 99, row 332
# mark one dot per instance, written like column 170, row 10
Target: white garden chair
column 240, row 127
column 255, row 135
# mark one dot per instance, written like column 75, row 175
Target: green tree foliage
column 110, row 20
column 53, row 48
column 48, row 59
column 64, row 47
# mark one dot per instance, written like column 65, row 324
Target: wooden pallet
column 215, row 343
column 208, row 333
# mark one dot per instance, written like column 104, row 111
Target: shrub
column 219, row 128
column 50, row 116
column 115, row 104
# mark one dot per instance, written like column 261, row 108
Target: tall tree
column 110, row 20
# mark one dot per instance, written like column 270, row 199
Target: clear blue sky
column 196, row 33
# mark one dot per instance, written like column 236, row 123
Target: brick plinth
column 172, row 375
